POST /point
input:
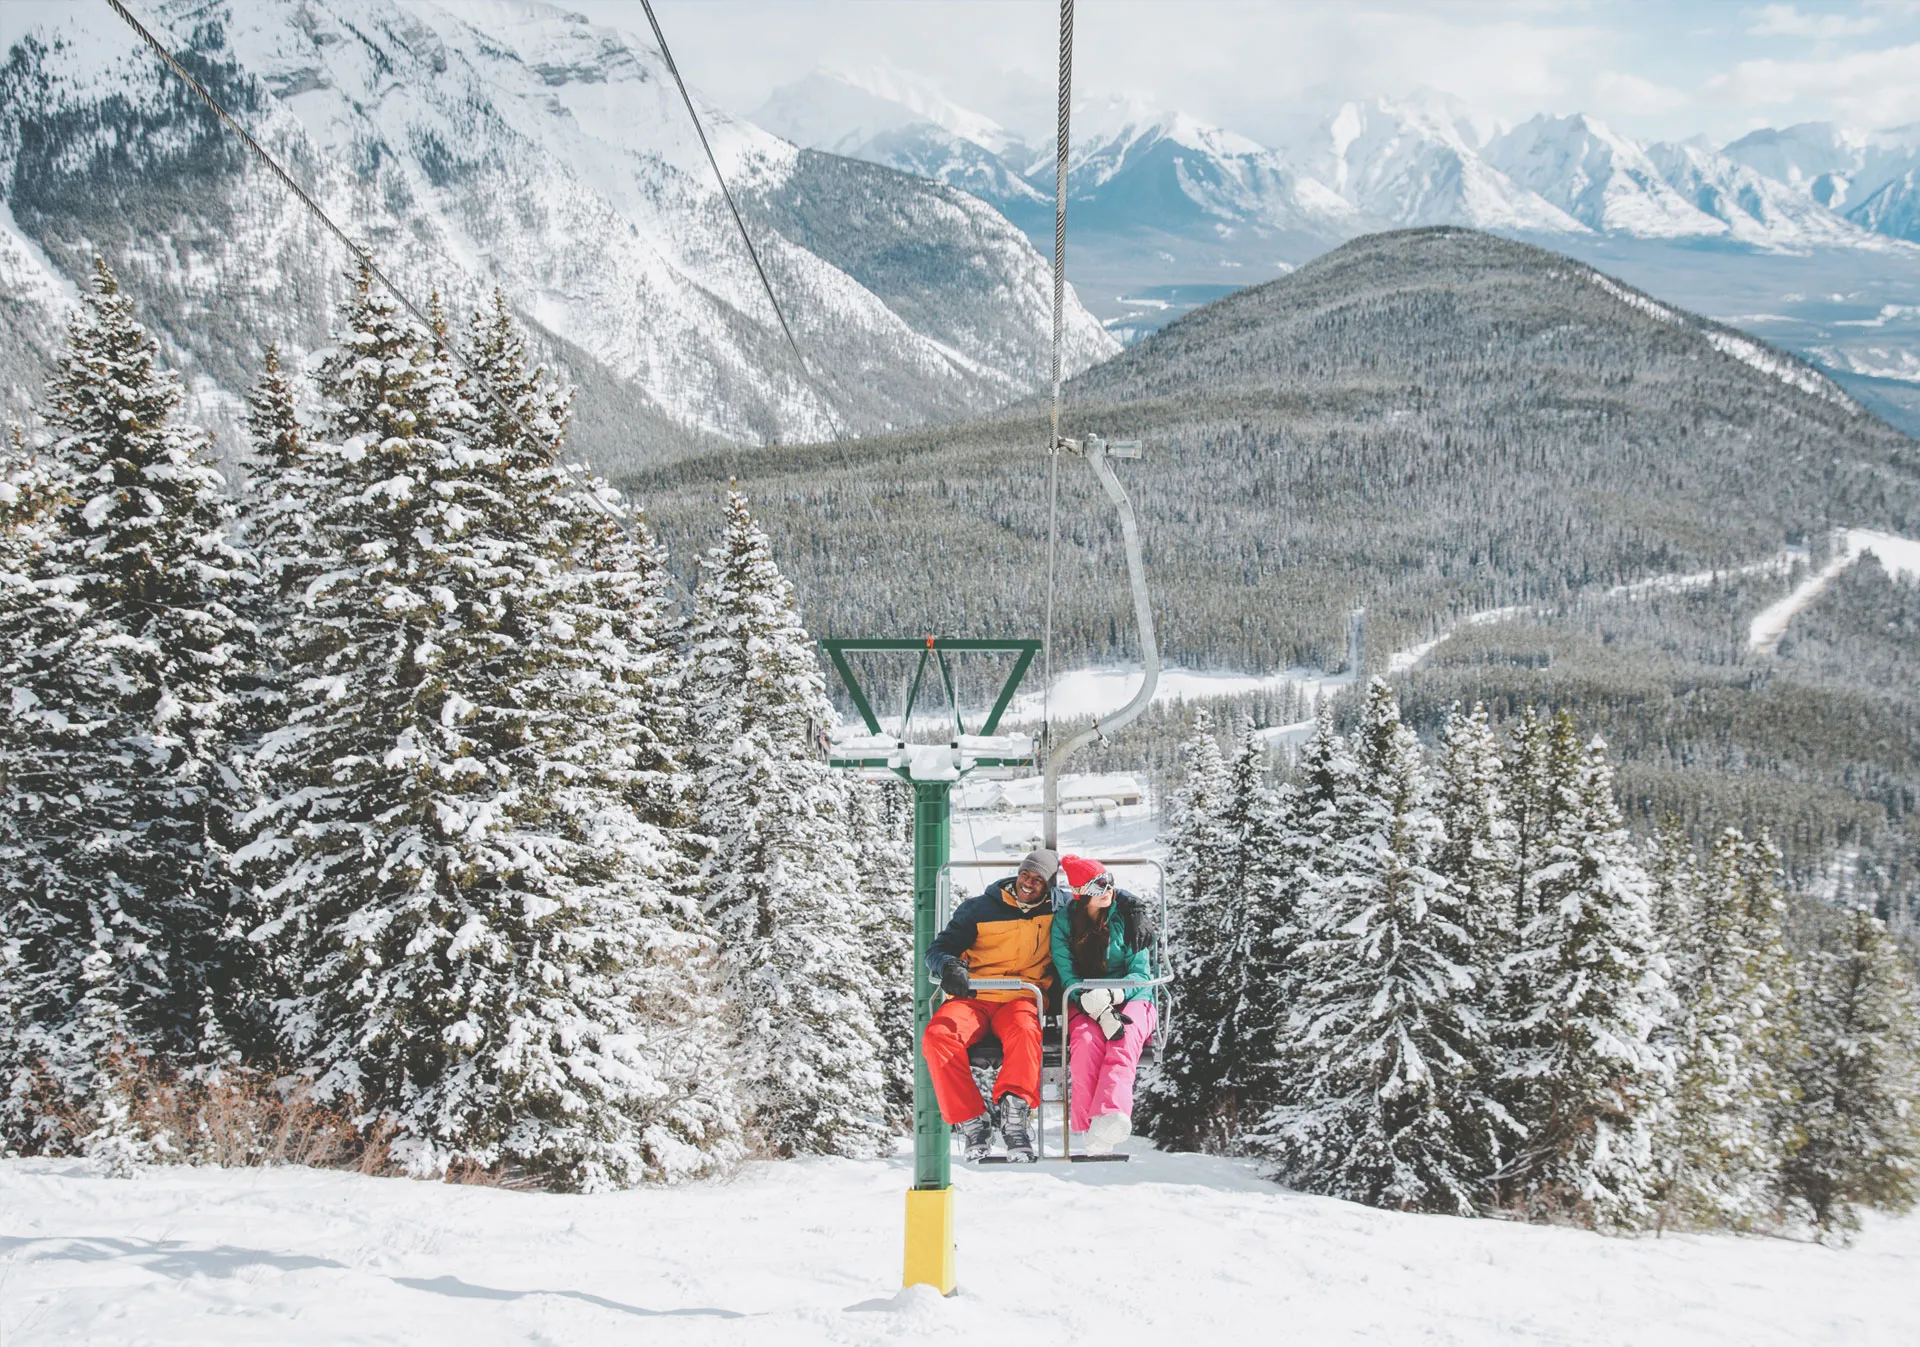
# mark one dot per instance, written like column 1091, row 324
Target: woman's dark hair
column 1088, row 938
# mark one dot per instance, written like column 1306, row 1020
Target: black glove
column 953, row 979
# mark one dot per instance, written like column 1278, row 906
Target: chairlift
column 1056, row 1064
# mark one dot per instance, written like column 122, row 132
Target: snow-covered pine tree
column 1858, row 1085
column 117, row 635
column 1675, row 873
column 781, row 883
column 1599, row 988
column 601, row 592
column 31, row 490
column 1476, row 858
column 1257, row 937
column 1182, row 1098
column 275, row 517
column 1316, row 819
column 879, row 818
column 1534, row 802
column 1385, row 1026
column 489, row 951
column 1723, row 1136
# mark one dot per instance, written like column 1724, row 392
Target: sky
column 1655, row 69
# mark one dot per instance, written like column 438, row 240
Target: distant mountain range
column 514, row 146
column 1166, row 212
column 1379, row 164
column 523, row 147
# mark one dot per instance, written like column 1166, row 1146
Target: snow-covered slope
column 1605, row 181
column 32, row 295
column 1412, row 163
column 1893, row 208
column 1189, row 1247
column 886, row 116
column 1756, row 209
column 1839, row 167
column 517, row 145
column 1169, row 172
column 842, row 110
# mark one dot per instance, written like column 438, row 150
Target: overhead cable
column 1060, row 143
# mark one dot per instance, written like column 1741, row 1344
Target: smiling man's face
column 1029, row 888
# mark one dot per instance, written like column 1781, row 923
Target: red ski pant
column 961, row 1023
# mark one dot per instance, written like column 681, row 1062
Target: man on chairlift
column 1006, row 932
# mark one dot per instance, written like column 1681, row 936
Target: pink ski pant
column 1103, row 1072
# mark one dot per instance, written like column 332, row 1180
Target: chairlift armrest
column 1011, row 985
column 1112, row 985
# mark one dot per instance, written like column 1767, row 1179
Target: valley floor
column 1167, row 1248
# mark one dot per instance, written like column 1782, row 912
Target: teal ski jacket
column 1123, row 960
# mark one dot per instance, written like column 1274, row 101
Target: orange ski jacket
column 995, row 939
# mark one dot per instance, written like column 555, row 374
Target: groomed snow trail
column 1901, row 557
column 808, row 1252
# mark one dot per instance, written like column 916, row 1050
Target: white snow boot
column 1107, row 1131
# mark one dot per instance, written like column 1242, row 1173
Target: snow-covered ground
column 809, row 1252
column 1101, row 691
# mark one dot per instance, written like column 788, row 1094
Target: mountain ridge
column 539, row 153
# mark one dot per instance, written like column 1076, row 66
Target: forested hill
column 1428, row 422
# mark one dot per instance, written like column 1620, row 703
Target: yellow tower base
column 930, row 1239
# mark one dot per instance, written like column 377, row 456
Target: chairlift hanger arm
column 1099, row 453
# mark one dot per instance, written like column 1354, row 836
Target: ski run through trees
column 394, row 796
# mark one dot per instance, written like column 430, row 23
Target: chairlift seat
column 986, row 1054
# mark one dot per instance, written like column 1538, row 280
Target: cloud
column 1623, row 94
column 1788, row 21
column 1871, row 88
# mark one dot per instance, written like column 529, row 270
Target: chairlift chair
column 1056, row 1066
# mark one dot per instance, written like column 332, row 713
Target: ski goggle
column 1098, row 884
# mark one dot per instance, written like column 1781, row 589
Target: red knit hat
column 1079, row 871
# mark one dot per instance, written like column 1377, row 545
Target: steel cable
column 1060, row 144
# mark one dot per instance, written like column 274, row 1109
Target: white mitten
column 1103, row 1008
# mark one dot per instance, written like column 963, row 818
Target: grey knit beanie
column 1042, row 862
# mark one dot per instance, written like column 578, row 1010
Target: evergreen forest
column 415, row 802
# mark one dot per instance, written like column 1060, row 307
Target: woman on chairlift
column 1103, row 933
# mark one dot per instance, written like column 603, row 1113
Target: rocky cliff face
column 527, row 150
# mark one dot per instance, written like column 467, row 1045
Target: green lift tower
column 932, row 770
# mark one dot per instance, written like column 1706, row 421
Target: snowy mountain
column 1167, row 212
column 1605, row 181
column 1415, row 163
column 1755, row 209
column 1893, row 209
column 517, row 146
column 1171, row 172
column 886, row 116
column 1837, row 166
